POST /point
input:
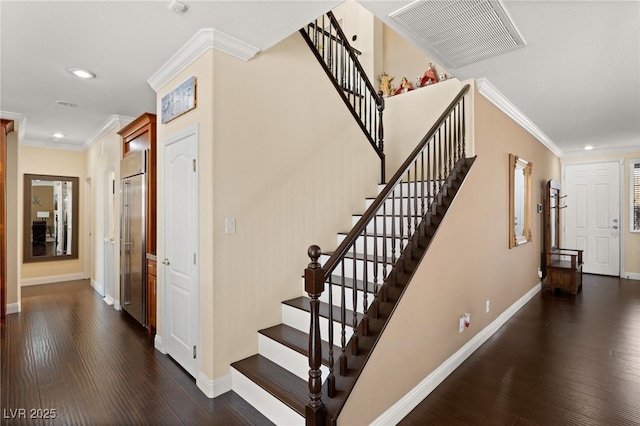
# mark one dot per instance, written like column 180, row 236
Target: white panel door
column 181, row 250
column 592, row 215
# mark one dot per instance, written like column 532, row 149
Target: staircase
column 307, row 365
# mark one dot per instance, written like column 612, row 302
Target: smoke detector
column 178, row 7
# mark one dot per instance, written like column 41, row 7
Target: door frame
column 161, row 253
column 621, row 198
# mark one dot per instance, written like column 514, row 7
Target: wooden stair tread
column 303, row 304
column 296, row 340
column 282, row 384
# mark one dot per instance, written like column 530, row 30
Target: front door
column 181, row 249
column 592, row 215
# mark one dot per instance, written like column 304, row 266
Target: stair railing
column 340, row 61
column 397, row 217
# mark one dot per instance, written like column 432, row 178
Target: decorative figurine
column 405, row 86
column 386, row 87
column 429, row 77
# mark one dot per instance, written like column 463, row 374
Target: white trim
column 20, row 118
column 97, row 286
column 51, row 279
column 13, row 308
column 157, row 343
column 100, row 132
column 487, row 90
column 631, row 275
column 116, row 305
column 108, row 300
column 407, row 403
column 203, row 40
column 213, row 388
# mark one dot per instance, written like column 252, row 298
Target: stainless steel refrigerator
column 132, row 235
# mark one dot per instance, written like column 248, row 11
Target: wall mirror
column 50, row 218
column 519, row 201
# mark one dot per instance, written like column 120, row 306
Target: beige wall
column 292, row 166
column 102, row 156
column 424, row 329
column 44, row 161
column 630, row 240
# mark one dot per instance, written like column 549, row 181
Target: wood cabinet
column 140, row 135
column 152, row 288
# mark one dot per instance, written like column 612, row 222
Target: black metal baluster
column 365, row 282
column 354, row 298
column 331, row 379
column 343, row 322
column 375, row 268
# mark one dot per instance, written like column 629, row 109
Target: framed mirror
column 50, row 225
column 519, row 201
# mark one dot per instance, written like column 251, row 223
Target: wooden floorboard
column 70, row 352
column 561, row 360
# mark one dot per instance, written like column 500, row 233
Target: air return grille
column 461, row 32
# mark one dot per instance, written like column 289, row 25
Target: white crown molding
column 21, row 119
column 487, row 90
column 205, row 39
column 100, row 132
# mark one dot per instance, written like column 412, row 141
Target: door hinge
column 194, row 258
column 194, row 351
column 194, row 164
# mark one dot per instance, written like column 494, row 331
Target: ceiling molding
column 19, row 118
column 487, row 90
column 100, row 132
column 61, row 145
column 205, row 39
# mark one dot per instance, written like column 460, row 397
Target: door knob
column 165, row 261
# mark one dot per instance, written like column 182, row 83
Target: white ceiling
column 577, row 79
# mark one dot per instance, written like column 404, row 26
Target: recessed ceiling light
column 588, row 147
column 79, row 72
column 67, row 104
column 57, row 135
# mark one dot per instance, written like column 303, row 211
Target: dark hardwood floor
column 70, row 356
column 560, row 360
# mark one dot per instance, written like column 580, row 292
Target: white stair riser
column 299, row 319
column 348, row 267
column 270, row 406
column 336, row 290
column 379, row 241
column 287, row 358
column 407, row 204
column 410, row 189
column 392, row 223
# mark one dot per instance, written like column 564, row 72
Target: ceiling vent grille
column 460, row 32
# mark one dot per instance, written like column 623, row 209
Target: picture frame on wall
column 179, row 101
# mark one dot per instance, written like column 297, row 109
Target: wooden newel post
column 314, row 286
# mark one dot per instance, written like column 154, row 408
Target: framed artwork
column 179, row 101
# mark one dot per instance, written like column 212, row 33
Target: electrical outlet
column 487, row 306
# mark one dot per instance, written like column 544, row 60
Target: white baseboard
column 400, row 409
column 116, row 305
column 98, row 287
column 157, row 343
column 631, row 275
column 108, row 300
column 13, row 308
column 213, row 388
column 51, row 279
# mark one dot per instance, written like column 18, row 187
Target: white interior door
column 181, row 250
column 592, row 215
